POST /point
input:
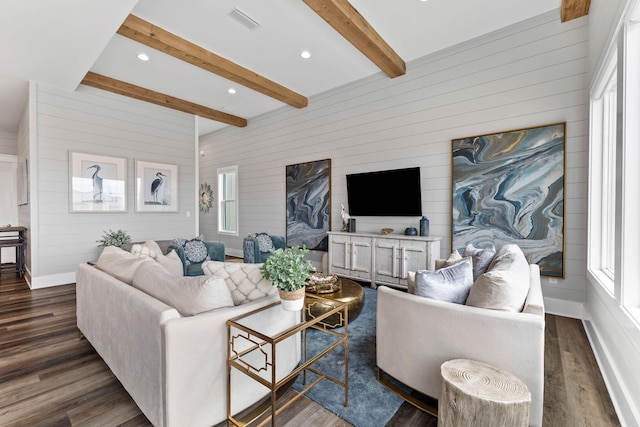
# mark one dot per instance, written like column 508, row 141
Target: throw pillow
column 454, row 258
column 195, row 251
column 506, row 285
column 119, row 263
column 188, row 295
column 265, row 244
column 151, row 249
column 449, row 284
column 481, row 258
column 245, row 281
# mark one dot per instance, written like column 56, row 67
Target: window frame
column 223, row 201
column 622, row 66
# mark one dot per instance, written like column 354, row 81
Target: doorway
column 8, row 199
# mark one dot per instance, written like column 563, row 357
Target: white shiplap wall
column 93, row 121
column 8, row 142
column 529, row 74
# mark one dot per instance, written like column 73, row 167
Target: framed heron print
column 156, row 187
column 97, row 183
column 508, row 187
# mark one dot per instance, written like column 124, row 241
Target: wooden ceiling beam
column 345, row 19
column 572, row 9
column 157, row 38
column 137, row 92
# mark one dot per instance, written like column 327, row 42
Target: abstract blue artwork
column 308, row 204
column 508, row 187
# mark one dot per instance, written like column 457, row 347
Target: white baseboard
column 627, row 414
column 564, row 308
column 235, row 252
column 52, row 280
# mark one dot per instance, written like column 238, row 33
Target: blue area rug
column 370, row 403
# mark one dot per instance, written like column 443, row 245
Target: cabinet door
column 340, row 255
column 413, row 257
column 361, row 256
column 387, row 260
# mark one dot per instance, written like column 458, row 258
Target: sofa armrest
column 415, row 335
column 106, row 310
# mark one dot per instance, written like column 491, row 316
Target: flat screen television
column 385, row 193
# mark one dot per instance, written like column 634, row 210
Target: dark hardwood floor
column 49, row 376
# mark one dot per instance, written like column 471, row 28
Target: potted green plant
column 114, row 238
column 288, row 271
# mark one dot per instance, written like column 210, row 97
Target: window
column 614, row 153
column 602, row 226
column 609, row 176
column 228, row 200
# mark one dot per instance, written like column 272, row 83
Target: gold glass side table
column 253, row 347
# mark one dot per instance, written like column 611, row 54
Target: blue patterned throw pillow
column 265, row 244
column 195, row 251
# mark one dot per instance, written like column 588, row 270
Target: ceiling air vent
column 244, row 19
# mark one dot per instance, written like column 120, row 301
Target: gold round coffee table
column 349, row 292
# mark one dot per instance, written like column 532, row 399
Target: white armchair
column 415, row 335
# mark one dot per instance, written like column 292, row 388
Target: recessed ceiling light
column 231, row 91
column 143, row 57
column 305, row 54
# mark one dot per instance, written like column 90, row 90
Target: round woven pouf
column 476, row 394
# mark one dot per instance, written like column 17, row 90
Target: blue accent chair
column 214, row 249
column 251, row 249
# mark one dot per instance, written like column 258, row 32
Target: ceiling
column 58, row 42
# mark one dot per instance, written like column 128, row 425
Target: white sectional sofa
column 415, row 335
column 173, row 365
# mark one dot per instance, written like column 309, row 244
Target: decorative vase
column 424, row 226
column 292, row 300
column 410, row 231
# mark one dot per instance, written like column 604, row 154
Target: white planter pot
column 292, row 301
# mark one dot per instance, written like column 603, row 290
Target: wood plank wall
column 8, row 142
column 93, row 121
column 529, row 74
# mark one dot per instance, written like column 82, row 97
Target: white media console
column 381, row 259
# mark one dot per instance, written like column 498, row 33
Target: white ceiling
column 58, row 42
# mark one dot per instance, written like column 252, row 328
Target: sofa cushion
column 119, row 263
column 449, row 284
column 506, row 283
column 244, row 280
column 188, row 295
column 171, row 261
column 481, row 258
